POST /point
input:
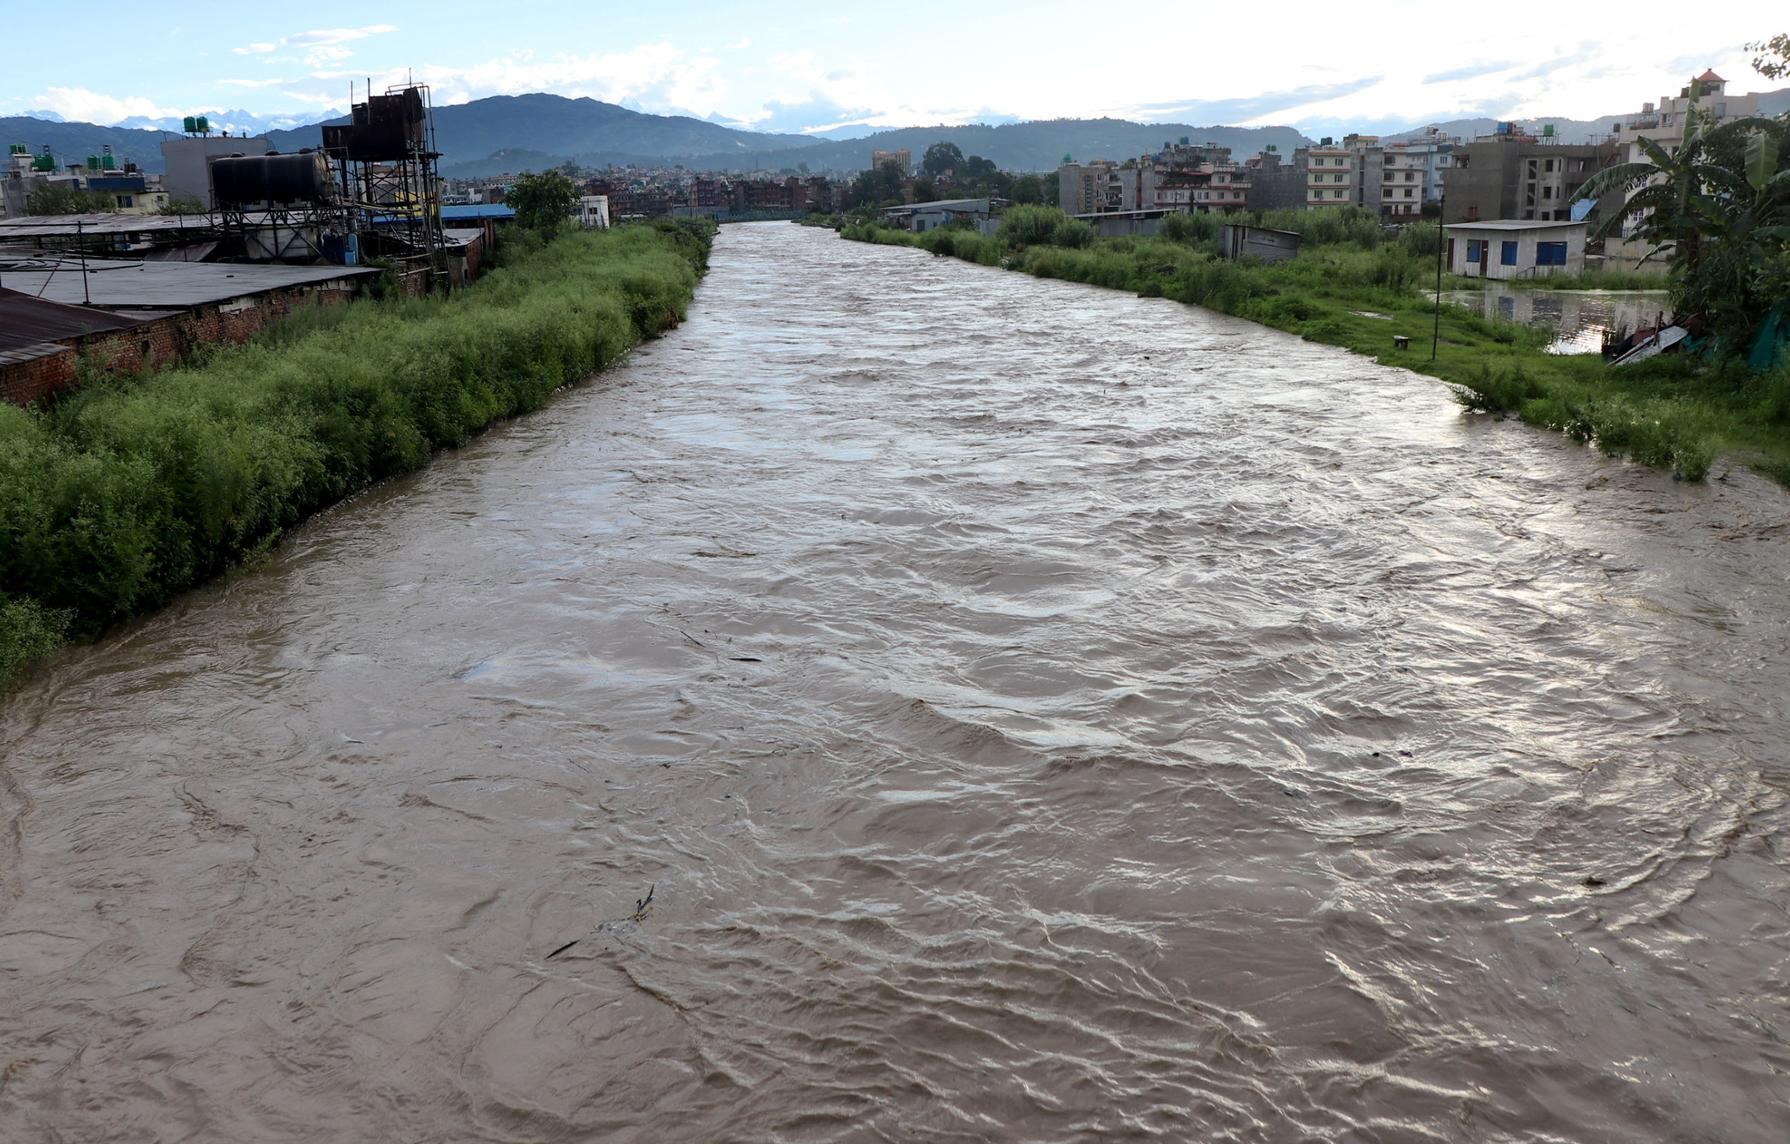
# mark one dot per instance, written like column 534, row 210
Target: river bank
column 127, row 493
column 1353, row 287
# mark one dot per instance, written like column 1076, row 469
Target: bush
column 1024, row 226
column 1072, row 234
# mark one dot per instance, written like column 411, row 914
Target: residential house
column 1329, row 174
column 1513, row 248
column 1513, row 175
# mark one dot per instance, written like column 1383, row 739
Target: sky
column 807, row 68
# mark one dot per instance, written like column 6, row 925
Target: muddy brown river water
column 1037, row 714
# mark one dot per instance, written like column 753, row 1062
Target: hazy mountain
column 73, row 142
column 507, row 133
column 556, row 126
column 237, row 122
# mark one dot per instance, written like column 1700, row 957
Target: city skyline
column 757, row 66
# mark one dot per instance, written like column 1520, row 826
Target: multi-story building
column 1513, row 175
column 1366, row 162
column 1417, row 166
column 1096, row 187
column 1664, row 124
column 1273, row 183
column 1329, row 174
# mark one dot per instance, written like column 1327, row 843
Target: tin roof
column 121, row 285
column 26, row 321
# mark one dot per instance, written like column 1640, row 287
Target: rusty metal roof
column 28, row 321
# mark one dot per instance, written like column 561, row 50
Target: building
column 1199, row 180
column 151, row 313
column 1512, row 248
column 902, row 158
column 1274, row 184
column 593, row 212
column 187, row 163
column 1413, row 173
column 1367, row 160
column 921, row 217
column 1329, row 174
column 1096, row 187
column 1513, row 175
column 1665, row 124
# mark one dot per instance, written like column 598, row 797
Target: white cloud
column 324, row 44
column 80, row 104
column 252, row 82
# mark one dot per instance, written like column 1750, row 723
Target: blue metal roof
column 477, row 211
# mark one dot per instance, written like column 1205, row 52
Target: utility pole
column 1441, row 247
column 81, row 244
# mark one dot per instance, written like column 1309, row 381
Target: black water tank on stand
column 274, row 178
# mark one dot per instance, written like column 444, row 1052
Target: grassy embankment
column 120, row 496
column 1356, row 287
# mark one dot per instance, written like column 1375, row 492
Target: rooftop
column 1515, row 224
column 26, row 321
column 157, row 285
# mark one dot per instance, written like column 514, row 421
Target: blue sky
column 788, row 67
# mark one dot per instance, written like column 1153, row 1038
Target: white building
column 593, row 212
column 1513, row 248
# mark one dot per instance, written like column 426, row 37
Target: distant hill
column 73, row 142
column 522, row 132
column 556, row 126
column 1771, row 103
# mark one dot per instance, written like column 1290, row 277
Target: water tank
column 93, row 162
column 1547, row 131
column 1503, row 127
column 273, row 178
column 190, row 125
column 202, row 126
column 108, row 163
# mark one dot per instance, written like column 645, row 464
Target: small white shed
column 1516, row 248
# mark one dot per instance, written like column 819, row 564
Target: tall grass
column 122, row 495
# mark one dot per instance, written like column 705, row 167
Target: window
column 1475, row 249
column 1508, row 255
column 1549, row 165
column 1550, row 254
column 1407, row 192
column 1547, row 192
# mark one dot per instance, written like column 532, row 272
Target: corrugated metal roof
column 26, row 321
column 159, row 285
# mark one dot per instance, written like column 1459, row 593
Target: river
column 1035, row 713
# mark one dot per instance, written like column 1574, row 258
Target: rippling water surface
column 1037, row 713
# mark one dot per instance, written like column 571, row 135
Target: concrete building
column 1664, row 124
column 1367, row 161
column 1329, row 174
column 902, row 158
column 1096, row 187
column 593, row 212
column 1511, row 248
column 1419, row 166
column 1512, row 175
column 187, row 163
column 1274, row 183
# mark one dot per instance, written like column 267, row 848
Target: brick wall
column 165, row 341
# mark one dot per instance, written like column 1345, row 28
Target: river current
column 1033, row 712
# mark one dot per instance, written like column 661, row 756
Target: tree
column 1773, row 60
column 67, row 199
column 1026, row 190
column 183, row 205
column 940, row 158
column 925, row 190
column 871, row 188
column 542, row 201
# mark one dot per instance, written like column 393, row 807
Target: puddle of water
column 1579, row 318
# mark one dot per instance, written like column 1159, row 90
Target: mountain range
column 530, row 132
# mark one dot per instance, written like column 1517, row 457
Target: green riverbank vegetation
column 1357, row 286
column 121, row 495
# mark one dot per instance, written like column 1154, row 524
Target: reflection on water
column 1034, row 712
column 1580, row 318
